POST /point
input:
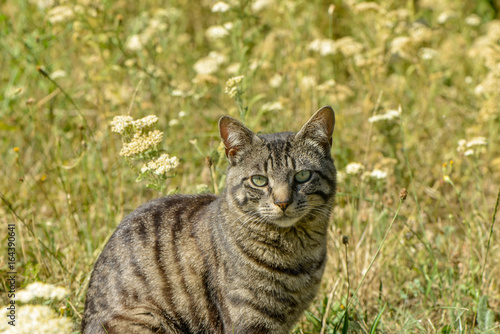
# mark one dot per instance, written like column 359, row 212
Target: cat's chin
column 285, row 221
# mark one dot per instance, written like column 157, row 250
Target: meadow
column 416, row 90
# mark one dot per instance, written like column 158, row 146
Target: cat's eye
column 303, row 176
column 259, row 180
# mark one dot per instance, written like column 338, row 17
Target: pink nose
column 282, row 205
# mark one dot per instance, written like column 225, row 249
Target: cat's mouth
column 284, row 221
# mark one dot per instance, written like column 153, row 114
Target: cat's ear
column 236, row 137
column 319, row 129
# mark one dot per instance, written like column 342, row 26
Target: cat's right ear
column 236, row 137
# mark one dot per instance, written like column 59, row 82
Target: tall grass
column 415, row 88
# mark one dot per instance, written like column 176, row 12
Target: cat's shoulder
column 166, row 208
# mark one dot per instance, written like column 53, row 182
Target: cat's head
column 280, row 178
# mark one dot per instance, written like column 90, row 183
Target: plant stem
column 376, row 253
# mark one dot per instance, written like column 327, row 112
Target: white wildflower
column 216, row 32
column 354, row 168
column 375, row 174
column 209, row 64
column 41, row 290
column 469, row 152
column 206, row 65
column 140, row 143
column 177, row 93
column 341, row 176
column 308, row 82
column 273, row 106
column 134, row 43
column 446, row 16
column 220, row 7
column 363, row 7
column 348, row 46
column 182, row 114
column 388, row 116
column 43, row 4
column 461, row 145
column 146, row 122
column 120, row 124
column 420, row 33
column 60, row 14
column 234, row 68
column 228, row 25
column 477, row 141
column 473, row 20
column 325, row 47
column 402, row 46
column 427, row 53
column 218, row 57
column 161, row 165
column 276, row 80
column 173, row 122
column 489, row 85
column 259, row 5
column 472, row 146
column 57, row 74
column 232, row 85
column 40, row 319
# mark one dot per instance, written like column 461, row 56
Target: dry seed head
column 403, row 193
column 208, row 161
column 345, row 240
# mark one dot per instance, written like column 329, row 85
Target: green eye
column 259, row 180
column 303, row 176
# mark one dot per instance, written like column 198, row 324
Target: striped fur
column 248, row 261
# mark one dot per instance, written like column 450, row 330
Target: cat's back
column 146, row 256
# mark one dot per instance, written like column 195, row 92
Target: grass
column 65, row 186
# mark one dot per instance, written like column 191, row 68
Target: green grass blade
column 377, row 320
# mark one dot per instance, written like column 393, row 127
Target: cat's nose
column 282, row 205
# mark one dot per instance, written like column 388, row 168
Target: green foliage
column 485, row 316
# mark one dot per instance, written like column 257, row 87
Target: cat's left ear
column 319, row 129
column 236, row 137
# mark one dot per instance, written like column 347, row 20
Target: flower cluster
column 154, row 26
column 40, row 319
column 42, row 290
column 141, row 142
column 389, row 115
column 137, row 135
column 354, row 168
column 161, row 165
column 220, row 7
column 472, row 146
column 124, row 124
column 209, row 64
column 347, row 46
column 232, row 85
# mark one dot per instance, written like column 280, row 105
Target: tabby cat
column 247, row 261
